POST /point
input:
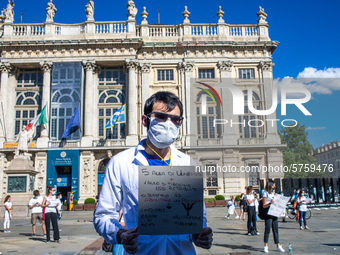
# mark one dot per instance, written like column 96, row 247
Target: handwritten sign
column 277, row 208
column 170, row 200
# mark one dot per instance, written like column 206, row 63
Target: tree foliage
column 297, row 155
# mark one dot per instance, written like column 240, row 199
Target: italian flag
column 40, row 119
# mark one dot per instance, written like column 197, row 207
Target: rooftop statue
column 9, row 12
column 50, row 10
column 132, row 10
column 89, row 9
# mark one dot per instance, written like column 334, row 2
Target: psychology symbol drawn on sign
column 188, row 207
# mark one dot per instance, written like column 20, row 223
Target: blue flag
column 73, row 125
column 117, row 117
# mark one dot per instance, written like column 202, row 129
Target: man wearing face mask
column 162, row 117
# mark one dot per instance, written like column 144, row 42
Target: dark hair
column 6, row 198
column 249, row 190
column 300, row 193
column 49, row 188
column 169, row 99
column 58, row 194
column 269, row 186
column 36, row 193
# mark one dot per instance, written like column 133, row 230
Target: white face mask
column 53, row 193
column 162, row 134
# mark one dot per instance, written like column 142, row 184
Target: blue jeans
column 303, row 216
column 252, row 222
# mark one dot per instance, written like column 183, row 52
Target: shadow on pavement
column 244, row 247
column 332, row 244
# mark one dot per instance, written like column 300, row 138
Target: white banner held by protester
column 279, row 205
column 170, row 200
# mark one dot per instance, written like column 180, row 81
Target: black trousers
column 251, row 218
column 271, row 222
column 51, row 217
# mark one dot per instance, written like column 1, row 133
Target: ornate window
column 165, row 75
column 255, row 129
column 28, row 105
column 111, row 76
column 211, row 176
column 246, row 73
column 205, row 117
column 65, row 103
column 206, row 74
column 30, row 78
column 66, row 94
column 110, row 100
column 254, row 175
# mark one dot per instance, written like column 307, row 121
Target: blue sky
column 308, row 32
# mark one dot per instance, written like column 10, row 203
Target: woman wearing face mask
column 301, row 201
column 270, row 221
column 51, row 214
column 8, row 213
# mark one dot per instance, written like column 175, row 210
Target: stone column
column 3, row 175
column 189, row 115
column 132, row 138
column 10, row 112
column 46, row 67
column 5, row 69
column 267, row 76
column 89, row 67
column 145, row 90
column 229, row 135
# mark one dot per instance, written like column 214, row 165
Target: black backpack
column 245, row 205
column 262, row 211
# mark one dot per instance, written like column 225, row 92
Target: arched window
column 205, row 116
column 65, row 103
column 28, row 105
column 251, row 125
column 110, row 100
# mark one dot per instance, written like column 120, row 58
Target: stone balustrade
column 128, row 29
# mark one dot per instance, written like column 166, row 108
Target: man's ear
column 145, row 121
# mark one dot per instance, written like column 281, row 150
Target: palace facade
column 100, row 66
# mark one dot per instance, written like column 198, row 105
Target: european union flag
column 117, row 117
column 73, row 125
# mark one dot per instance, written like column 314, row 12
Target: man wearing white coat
column 162, row 117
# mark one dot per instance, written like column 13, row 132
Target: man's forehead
column 160, row 106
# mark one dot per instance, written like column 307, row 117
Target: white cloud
column 315, row 128
column 316, row 81
column 310, row 72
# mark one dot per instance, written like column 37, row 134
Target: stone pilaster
column 229, row 135
column 87, row 175
column 132, row 138
column 40, row 163
column 5, row 69
column 189, row 114
column 46, row 67
column 145, row 68
column 90, row 67
column 267, row 76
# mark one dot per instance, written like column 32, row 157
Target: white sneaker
column 280, row 249
column 265, row 249
column 237, row 217
column 249, row 234
column 257, row 233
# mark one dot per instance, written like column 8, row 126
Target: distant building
column 102, row 65
column 329, row 154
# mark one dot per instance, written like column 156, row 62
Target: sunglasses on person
column 162, row 117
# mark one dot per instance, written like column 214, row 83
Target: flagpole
column 3, row 117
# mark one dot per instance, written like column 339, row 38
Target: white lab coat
column 120, row 191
